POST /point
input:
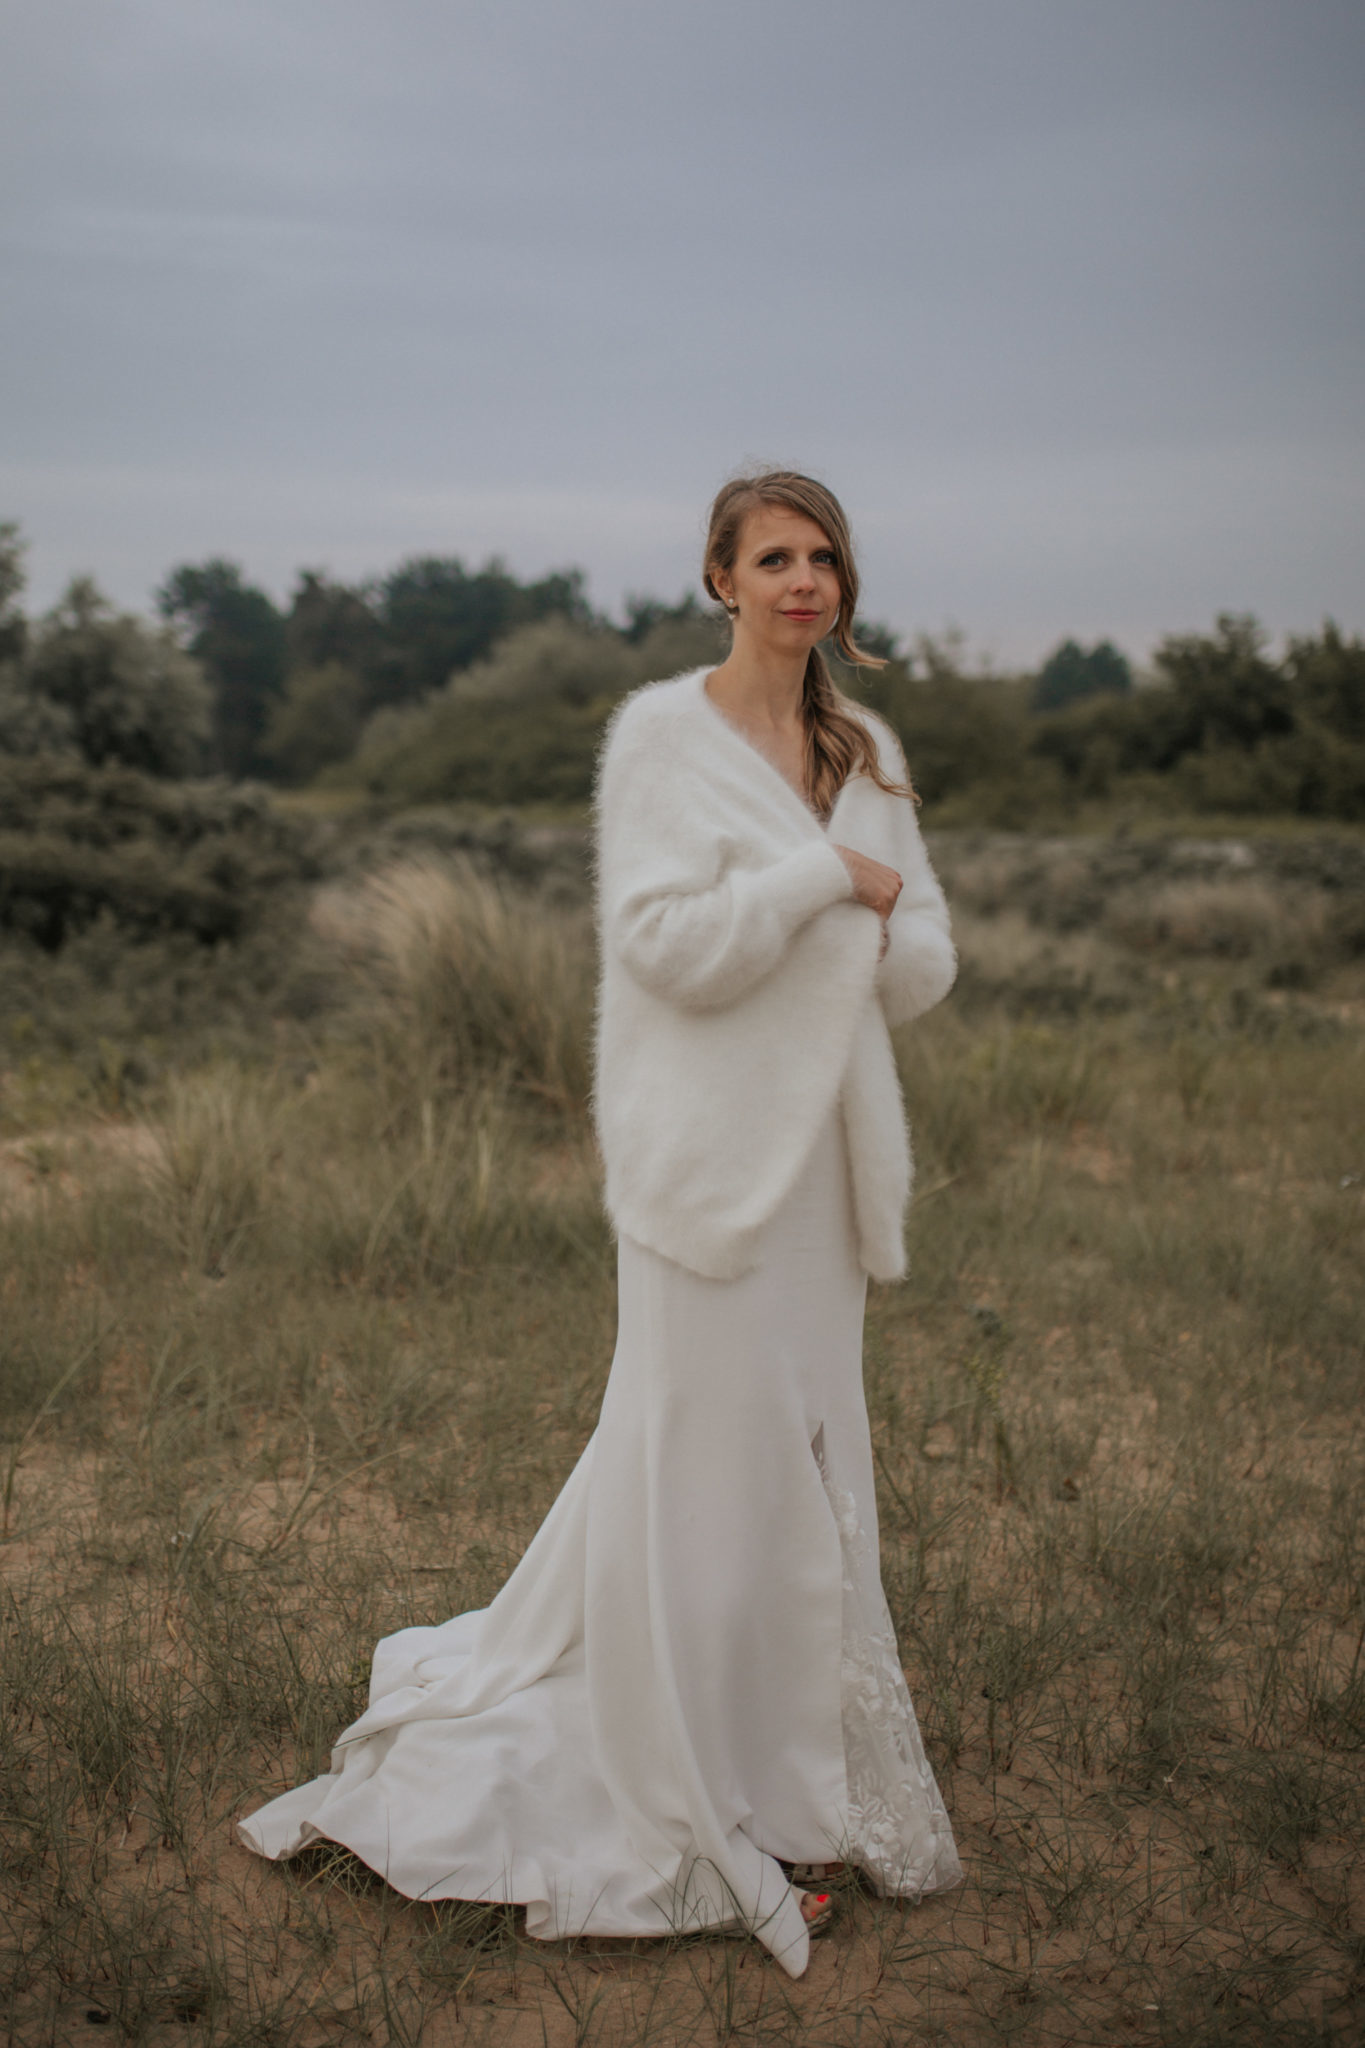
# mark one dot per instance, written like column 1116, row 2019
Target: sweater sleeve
column 705, row 947
column 920, row 963
column 688, row 927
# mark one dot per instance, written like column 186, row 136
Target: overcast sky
column 1065, row 298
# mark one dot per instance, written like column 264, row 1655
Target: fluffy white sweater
column 740, row 990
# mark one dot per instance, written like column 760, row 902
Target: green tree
column 522, row 726
column 645, row 614
column 1222, row 690
column 238, row 635
column 316, row 722
column 29, row 724
column 1071, row 673
column 1327, row 680
column 13, row 625
column 961, row 730
column 151, row 858
column 127, row 692
column 436, row 618
column 1226, row 729
column 875, row 638
column 332, row 622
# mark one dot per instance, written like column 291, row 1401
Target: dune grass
column 303, row 1352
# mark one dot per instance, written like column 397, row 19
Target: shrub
column 1310, row 772
column 959, row 731
column 126, row 691
column 1327, row 676
column 1222, row 917
column 524, row 725
column 317, row 721
column 1221, row 690
column 30, row 723
column 1225, row 730
column 1070, row 675
column 78, row 843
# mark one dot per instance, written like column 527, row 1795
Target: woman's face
column 785, row 580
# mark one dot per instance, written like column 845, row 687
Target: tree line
column 439, row 682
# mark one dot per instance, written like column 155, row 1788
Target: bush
column 1225, row 731
column 317, row 721
column 126, row 692
column 79, row 843
column 1327, row 677
column 1070, row 674
column 1099, row 739
column 523, row 726
column 29, row 722
column 1222, row 917
column 1220, row 690
column 960, row 732
column 1310, row 772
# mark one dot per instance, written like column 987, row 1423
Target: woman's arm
column 687, row 928
column 919, row 964
column 703, row 947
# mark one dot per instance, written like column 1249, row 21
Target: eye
column 827, row 556
column 770, row 560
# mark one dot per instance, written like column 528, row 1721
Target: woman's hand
column 875, row 885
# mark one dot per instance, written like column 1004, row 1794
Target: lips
column 801, row 617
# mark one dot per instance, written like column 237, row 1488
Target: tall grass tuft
column 214, row 1142
column 477, row 980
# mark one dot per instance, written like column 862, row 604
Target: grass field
column 298, row 1347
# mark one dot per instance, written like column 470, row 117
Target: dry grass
column 305, row 1354
column 482, row 977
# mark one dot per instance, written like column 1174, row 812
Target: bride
column 685, row 1709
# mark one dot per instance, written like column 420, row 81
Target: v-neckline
column 821, row 825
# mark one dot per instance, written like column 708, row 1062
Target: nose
column 803, row 573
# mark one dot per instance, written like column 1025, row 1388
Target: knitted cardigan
column 740, row 993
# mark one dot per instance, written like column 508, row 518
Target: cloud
column 438, row 275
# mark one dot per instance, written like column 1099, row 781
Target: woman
column 690, row 1681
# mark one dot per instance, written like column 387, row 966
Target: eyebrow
column 782, row 547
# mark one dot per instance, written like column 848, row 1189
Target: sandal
column 815, row 1873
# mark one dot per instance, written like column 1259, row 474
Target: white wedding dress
column 692, row 1672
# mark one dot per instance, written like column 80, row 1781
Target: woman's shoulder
column 649, row 710
column 890, row 753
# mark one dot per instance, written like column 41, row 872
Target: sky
column 1064, row 298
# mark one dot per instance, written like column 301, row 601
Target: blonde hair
column 838, row 741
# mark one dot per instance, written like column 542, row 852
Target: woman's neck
column 762, row 691
column 782, row 744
